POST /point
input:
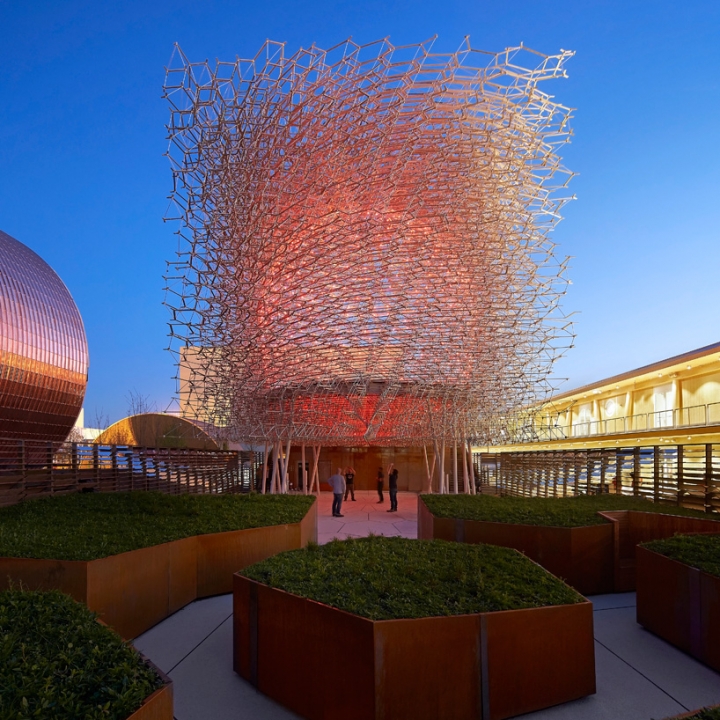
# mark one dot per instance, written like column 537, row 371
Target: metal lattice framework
column 364, row 257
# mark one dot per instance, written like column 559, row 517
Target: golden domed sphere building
column 43, row 348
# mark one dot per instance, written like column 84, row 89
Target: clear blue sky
column 84, row 183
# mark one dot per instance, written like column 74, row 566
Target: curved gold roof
column 157, row 430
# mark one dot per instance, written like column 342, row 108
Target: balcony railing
column 694, row 416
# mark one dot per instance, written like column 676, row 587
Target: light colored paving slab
column 379, row 519
column 366, row 515
column 615, row 600
column 207, row 688
column 689, row 682
column 622, row 694
column 173, row 639
column 407, row 528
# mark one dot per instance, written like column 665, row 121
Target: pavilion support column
column 471, row 471
column 315, row 479
column 440, row 454
column 466, row 481
column 428, row 472
column 446, row 488
column 274, row 476
column 285, row 467
column 303, row 476
column 265, row 467
column 455, row 467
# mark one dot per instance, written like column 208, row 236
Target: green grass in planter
column 57, row 661
column 550, row 512
column 387, row 578
column 87, row 526
column 704, row 714
column 698, row 551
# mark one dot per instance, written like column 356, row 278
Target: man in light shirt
column 337, row 483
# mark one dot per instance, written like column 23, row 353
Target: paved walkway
column 639, row 676
column 366, row 515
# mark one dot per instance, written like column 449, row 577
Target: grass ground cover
column 698, row 551
column 88, row 526
column 388, row 578
column 705, row 714
column 551, row 512
column 57, row 661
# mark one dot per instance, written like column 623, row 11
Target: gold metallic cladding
column 43, row 349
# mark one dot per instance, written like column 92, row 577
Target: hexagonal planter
column 65, row 661
column 582, row 556
column 158, row 705
column 681, row 604
column 132, row 591
column 323, row 662
column 593, row 559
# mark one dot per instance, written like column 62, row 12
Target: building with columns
column 676, row 400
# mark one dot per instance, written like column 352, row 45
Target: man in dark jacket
column 392, row 479
column 350, row 483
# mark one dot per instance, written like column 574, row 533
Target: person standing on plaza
column 392, row 486
column 337, row 483
column 380, row 483
column 350, row 483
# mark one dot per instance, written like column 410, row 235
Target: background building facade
column 676, row 400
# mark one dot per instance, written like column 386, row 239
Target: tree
column 139, row 403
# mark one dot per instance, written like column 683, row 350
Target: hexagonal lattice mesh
column 364, row 257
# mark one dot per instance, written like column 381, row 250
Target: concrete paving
column 366, row 515
column 639, row 676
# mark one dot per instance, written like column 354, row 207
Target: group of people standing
column 343, row 484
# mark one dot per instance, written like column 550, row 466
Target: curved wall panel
column 43, row 348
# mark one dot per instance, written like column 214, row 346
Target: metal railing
column 32, row 468
column 695, row 416
column 686, row 475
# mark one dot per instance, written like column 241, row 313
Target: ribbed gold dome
column 43, row 348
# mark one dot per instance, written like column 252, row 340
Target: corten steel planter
column 487, row 666
column 582, row 556
column 593, row 559
column 681, row 604
column 135, row 590
column 631, row 527
column 158, row 705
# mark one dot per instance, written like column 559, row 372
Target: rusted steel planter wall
column 159, row 705
column 489, row 666
column 632, row 527
column 593, row 559
column 681, row 604
column 135, row 590
column 583, row 557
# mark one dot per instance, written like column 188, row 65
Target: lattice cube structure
column 364, row 255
